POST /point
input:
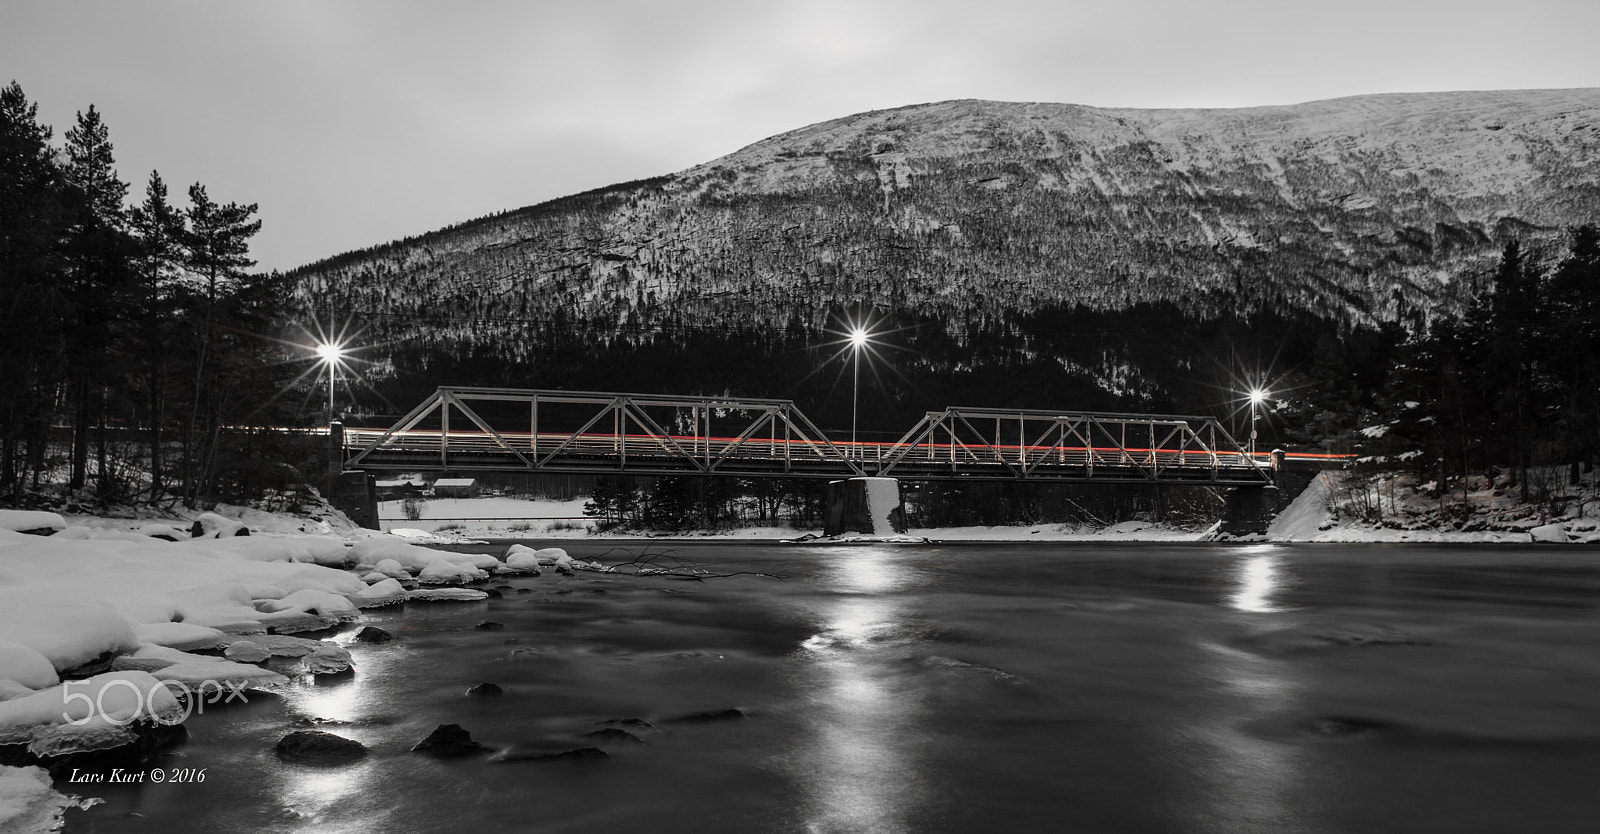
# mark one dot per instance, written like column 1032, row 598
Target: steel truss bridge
column 575, row 432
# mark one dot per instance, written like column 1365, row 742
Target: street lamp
column 858, row 341
column 330, row 354
column 1257, row 397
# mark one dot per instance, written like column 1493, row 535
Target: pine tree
column 33, row 222
column 216, row 256
column 159, row 229
column 99, row 252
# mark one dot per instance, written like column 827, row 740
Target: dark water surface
column 960, row 687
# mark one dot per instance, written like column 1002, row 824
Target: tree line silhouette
column 137, row 339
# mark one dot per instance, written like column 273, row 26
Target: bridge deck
column 595, row 433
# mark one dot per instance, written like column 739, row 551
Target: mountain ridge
column 970, row 212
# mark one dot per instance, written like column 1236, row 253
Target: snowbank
column 21, row 520
column 28, row 803
column 98, row 705
column 93, row 598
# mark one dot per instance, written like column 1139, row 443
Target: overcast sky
column 354, row 123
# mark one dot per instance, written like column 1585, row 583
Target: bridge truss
column 576, row 432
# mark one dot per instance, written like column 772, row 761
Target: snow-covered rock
column 385, row 592
column 246, row 651
column 308, row 610
column 184, row 636
column 446, row 594
column 215, row 526
column 29, row 804
column 26, row 666
column 449, row 573
column 163, row 531
column 411, row 557
column 392, row 569
column 196, row 671
column 11, row 689
column 118, row 697
column 1550, row 534
column 30, row 520
column 521, row 558
column 328, row 659
column 279, row 645
column 67, row 632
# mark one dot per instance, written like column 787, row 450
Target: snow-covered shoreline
column 113, row 630
column 1308, row 519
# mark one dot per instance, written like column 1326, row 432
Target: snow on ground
column 29, row 804
column 1308, row 519
column 496, row 517
column 98, row 614
column 1127, row 531
column 1411, row 516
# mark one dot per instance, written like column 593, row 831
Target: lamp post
column 330, row 354
column 858, row 341
column 1257, row 397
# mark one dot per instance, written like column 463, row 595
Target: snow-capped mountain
column 974, row 214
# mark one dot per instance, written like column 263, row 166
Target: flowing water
column 961, row 687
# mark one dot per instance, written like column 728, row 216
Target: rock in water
column 319, row 748
column 246, row 651
column 449, row 741
column 373, row 634
column 328, row 659
column 612, row 735
column 486, row 690
column 490, row 625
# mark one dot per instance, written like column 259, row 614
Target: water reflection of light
column 856, row 765
column 854, row 624
column 343, row 697
column 868, row 571
column 1246, row 780
column 338, row 702
column 317, row 795
column 1258, row 579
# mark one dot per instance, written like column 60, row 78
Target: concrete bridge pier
column 351, row 492
column 355, row 494
column 870, row 506
column 1249, row 511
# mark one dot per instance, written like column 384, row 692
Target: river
column 958, row 687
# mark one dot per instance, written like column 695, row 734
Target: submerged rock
column 633, row 723
column 577, row 755
column 729, row 714
column 319, row 748
column 612, row 735
column 450, row 741
column 490, row 625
